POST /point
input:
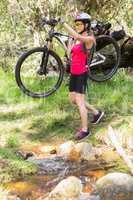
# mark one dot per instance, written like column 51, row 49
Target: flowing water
column 38, row 186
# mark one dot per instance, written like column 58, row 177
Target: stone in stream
column 85, row 150
column 6, row 195
column 115, row 178
column 87, row 196
column 71, row 189
column 72, row 151
column 110, row 156
column 59, row 166
column 71, row 158
column 68, row 188
column 25, row 155
column 67, row 150
column 115, row 186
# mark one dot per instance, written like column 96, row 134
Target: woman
column 79, row 70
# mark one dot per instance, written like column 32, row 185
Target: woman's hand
column 62, row 20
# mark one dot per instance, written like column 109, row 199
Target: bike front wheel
column 105, row 60
column 35, row 84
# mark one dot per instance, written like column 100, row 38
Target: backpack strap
column 89, row 54
column 92, row 50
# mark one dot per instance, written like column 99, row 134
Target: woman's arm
column 88, row 39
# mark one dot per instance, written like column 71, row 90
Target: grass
column 28, row 121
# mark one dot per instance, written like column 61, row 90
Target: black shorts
column 78, row 83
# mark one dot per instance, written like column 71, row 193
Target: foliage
column 21, row 28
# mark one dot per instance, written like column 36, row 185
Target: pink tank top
column 78, row 60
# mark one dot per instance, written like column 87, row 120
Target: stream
column 38, row 186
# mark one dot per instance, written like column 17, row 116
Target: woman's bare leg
column 91, row 108
column 72, row 97
column 80, row 101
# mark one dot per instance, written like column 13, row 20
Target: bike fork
column 42, row 70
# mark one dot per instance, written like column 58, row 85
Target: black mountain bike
column 39, row 72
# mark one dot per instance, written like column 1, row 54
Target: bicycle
column 39, row 72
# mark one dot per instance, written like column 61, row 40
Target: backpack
column 92, row 50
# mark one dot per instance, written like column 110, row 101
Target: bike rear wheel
column 105, row 60
column 30, row 81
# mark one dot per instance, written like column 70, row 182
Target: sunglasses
column 78, row 24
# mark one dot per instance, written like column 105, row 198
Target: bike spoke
column 105, row 60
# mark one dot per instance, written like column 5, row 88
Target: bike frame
column 59, row 37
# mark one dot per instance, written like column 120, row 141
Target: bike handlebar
column 98, row 27
column 51, row 22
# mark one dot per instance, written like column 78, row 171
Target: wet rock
column 72, row 151
column 113, row 192
column 53, row 151
column 6, row 195
column 115, row 178
column 87, row 196
column 25, row 155
column 70, row 158
column 85, row 150
column 114, row 186
column 48, row 149
column 68, row 151
column 57, row 165
column 110, row 156
column 71, row 189
column 68, row 188
column 3, row 194
column 64, row 167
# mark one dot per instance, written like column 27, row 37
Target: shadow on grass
column 64, row 128
column 14, row 115
column 57, row 129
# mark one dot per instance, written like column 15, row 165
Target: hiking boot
column 97, row 118
column 82, row 134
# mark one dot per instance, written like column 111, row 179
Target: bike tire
column 124, row 45
column 18, row 74
column 103, row 42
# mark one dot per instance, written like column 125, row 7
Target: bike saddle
column 107, row 26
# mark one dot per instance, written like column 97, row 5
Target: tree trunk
column 127, row 53
column 119, row 148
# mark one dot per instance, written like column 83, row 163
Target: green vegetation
column 29, row 122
